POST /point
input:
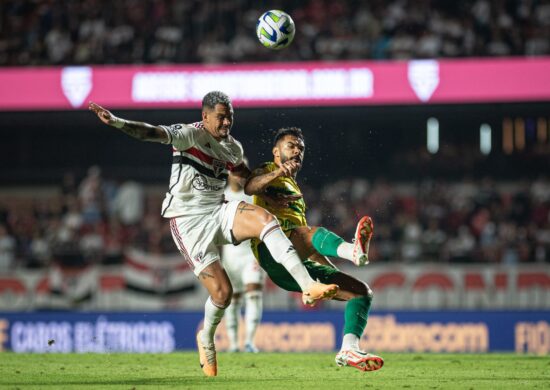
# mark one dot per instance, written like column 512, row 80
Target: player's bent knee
column 266, row 217
column 222, row 296
column 222, row 301
column 367, row 291
column 370, row 294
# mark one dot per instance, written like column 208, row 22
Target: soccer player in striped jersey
column 274, row 188
column 203, row 155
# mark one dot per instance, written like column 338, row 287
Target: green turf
column 271, row 371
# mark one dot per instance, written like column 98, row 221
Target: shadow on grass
column 191, row 380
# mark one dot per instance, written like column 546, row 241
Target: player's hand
column 104, row 115
column 289, row 168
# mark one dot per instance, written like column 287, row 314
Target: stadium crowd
column 61, row 32
column 95, row 219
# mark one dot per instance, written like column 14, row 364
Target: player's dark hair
column 215, row 97
column 283, row 132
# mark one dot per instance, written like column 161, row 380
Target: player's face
column 290, row 147
column 218, row 121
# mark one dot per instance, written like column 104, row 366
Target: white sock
column 212, row 317
column 252, row 314
column 284, row 253
column 350, row 341
column 232, row 317
column 345, row 251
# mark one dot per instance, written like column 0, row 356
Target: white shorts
column 199, row 236
column 241, row 266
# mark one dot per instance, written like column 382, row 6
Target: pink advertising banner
column 278, row 85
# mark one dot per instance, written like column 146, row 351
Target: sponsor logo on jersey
column 200, row 183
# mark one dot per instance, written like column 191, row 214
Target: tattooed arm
column 139, row 130
column 259, row 180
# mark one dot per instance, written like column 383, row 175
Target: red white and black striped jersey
column 200, row 167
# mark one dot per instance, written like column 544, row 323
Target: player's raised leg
column 330, row 244
column 255, row 222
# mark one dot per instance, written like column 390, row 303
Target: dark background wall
column 38, row 147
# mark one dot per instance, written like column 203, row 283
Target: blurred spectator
column 90, row 195
column 91, row 243
column 7, row 249
column 459, row 221
column 129, row 203
column 114, row 241
column 411, row 244
column 58, row 45
column 72, row 220
column 432, row 239
column 460, row 246
column 40, row 251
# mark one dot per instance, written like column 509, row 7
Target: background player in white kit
column 203, row 155
column 247, row 279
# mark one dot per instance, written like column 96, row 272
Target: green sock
column 326, row 242
column 356, row 315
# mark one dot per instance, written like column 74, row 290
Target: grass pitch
column 271, row 371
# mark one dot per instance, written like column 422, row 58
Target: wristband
column 118, row 122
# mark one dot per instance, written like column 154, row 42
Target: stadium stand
column 468, row 221
column 140, row 32
column 453, row 210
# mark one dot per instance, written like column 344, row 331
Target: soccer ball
column 275, row 29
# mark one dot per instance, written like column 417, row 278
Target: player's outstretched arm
column 140, row 130
column 259, row 180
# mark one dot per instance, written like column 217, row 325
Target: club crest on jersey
column 199, row 258
column 218, row 166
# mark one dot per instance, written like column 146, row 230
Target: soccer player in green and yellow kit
column 274, row 188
